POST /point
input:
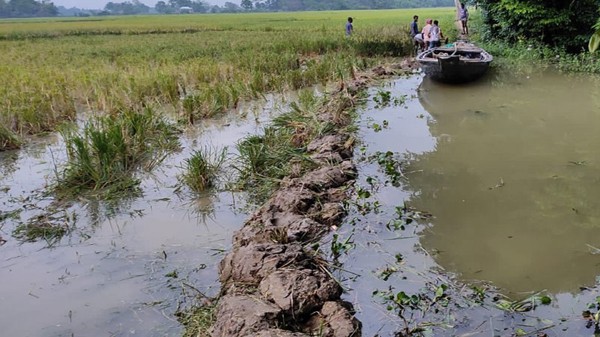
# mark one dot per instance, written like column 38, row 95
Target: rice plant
column 201, row 170
column 388, row 41
column 106, row 154
column 8, row 139
column 280, row 150
column 126, row 63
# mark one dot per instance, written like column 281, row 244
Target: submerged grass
column 50, row 227
column 201, row 170
column 197, row 322
column 105, row 155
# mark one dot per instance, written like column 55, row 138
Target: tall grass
column 106, row 154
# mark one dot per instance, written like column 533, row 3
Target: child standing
column 349, row 27
column 463, row 15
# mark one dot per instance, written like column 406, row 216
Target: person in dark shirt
column 414, row 26
column 349, row 27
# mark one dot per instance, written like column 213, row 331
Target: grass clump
column 198, row 321
column 202, row 168
column 281, row 150
column 110, row 149
column 8, row 139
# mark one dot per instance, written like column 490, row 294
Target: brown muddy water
column 126, row 268
column 508, row 168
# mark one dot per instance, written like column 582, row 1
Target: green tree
column 27, row 8
column 246, row 5
column 230, row 7
column 565, row 24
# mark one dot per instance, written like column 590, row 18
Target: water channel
column 125, row 269
column 506, row 166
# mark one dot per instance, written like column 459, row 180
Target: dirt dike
column 273, row 283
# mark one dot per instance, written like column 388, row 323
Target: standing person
column 416, row 35
column 435, row 35
column 414, row 27
column 463, row 15
column 349, row 26
column 425, row 32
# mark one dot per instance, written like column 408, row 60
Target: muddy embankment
column 274, row 283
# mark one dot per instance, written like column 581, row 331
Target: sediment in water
column 273, row 282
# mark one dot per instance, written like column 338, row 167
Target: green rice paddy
column 53, row 69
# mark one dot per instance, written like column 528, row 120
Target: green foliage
column 564, row 24
column 126, row 8
column 522, row 57
column 527, row 304
column 108, row 151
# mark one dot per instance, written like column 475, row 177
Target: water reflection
column 513, row 180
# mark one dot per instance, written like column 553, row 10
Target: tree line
column 27, row 8
column 40, row 8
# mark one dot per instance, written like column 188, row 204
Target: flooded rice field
column 126, row 267
column 489, row 189
column 469, row 199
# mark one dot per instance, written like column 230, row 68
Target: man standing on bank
column 463, row 16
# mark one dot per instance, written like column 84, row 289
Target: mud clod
column 331, row 214
column 248, row 265
column 298, row 292
column 244, row 316
column 335, row 320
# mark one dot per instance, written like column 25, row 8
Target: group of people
column 431, row 35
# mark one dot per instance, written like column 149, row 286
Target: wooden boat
column 455, row 63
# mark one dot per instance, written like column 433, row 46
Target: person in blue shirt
column 414, row 26
column 349, row 27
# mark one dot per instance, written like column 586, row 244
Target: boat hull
column 456, row 67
